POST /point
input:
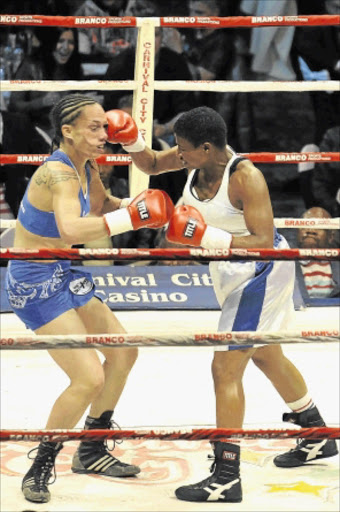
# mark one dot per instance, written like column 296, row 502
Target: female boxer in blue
column 52, row 298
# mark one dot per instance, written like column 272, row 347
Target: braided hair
column 66, row 111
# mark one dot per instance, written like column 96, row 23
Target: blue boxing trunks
column 40, row 292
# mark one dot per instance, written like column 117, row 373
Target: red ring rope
column 170, row 21
column 125, row 159
column 194, row 254
column 190, row 435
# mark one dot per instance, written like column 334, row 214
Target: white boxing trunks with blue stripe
column 40, row 292
column 255, row 296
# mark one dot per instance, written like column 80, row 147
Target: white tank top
column 217, row 211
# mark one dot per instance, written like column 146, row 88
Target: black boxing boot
column 224, row 484
column 306, row 450
column 93, row 457
column 36, row 481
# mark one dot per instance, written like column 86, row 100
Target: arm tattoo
column 58, row 176
column 49, row 177
column 42, row 175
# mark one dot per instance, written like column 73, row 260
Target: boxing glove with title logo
column 150, row 209
column 187, row 227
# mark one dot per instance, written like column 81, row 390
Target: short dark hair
column 202, row 124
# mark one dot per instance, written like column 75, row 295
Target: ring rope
column 173, row 85
column 248, row 86
column 170, row 21
column 214, row 434
column 212, row 339
column 194, row 254
column 124, row 159
column 288, row 222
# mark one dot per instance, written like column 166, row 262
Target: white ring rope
column 247, row 86
column 67, row 85
column 172, row 85
column 212, row 339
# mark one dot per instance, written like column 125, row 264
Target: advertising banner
column 148, row 287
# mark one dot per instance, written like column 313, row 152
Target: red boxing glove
column 186, row 226
column 121, row 127
column 150, row 209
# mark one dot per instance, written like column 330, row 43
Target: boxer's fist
column 150, row 209
column 186, row 226
column 121, row 128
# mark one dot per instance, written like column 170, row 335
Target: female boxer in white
column 53, row 298
column 226, row 204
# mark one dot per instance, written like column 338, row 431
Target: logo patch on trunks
column 81, row 286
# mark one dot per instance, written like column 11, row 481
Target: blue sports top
column 43, row 223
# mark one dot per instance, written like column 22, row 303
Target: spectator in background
column 209, row 52
column 56, row 58
column 59, row 7
column 326, row 176
column 145, row 8
column 47, row 7
column 102, row 41
column 305, row 175
column 237, row 109
column 320, row 182
column 271, row 46
column 316, row 56
column 17, row 136
column 142, row 8
column 317, row 279
column 175, row 8
column 168, row 66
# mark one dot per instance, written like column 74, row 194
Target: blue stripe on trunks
column 250, row 307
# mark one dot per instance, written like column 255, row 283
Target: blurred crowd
column 266, row 53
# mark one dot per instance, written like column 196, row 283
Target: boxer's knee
column 229, row 366
column 268, row 358
column 121, row 359
column 90, row 385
